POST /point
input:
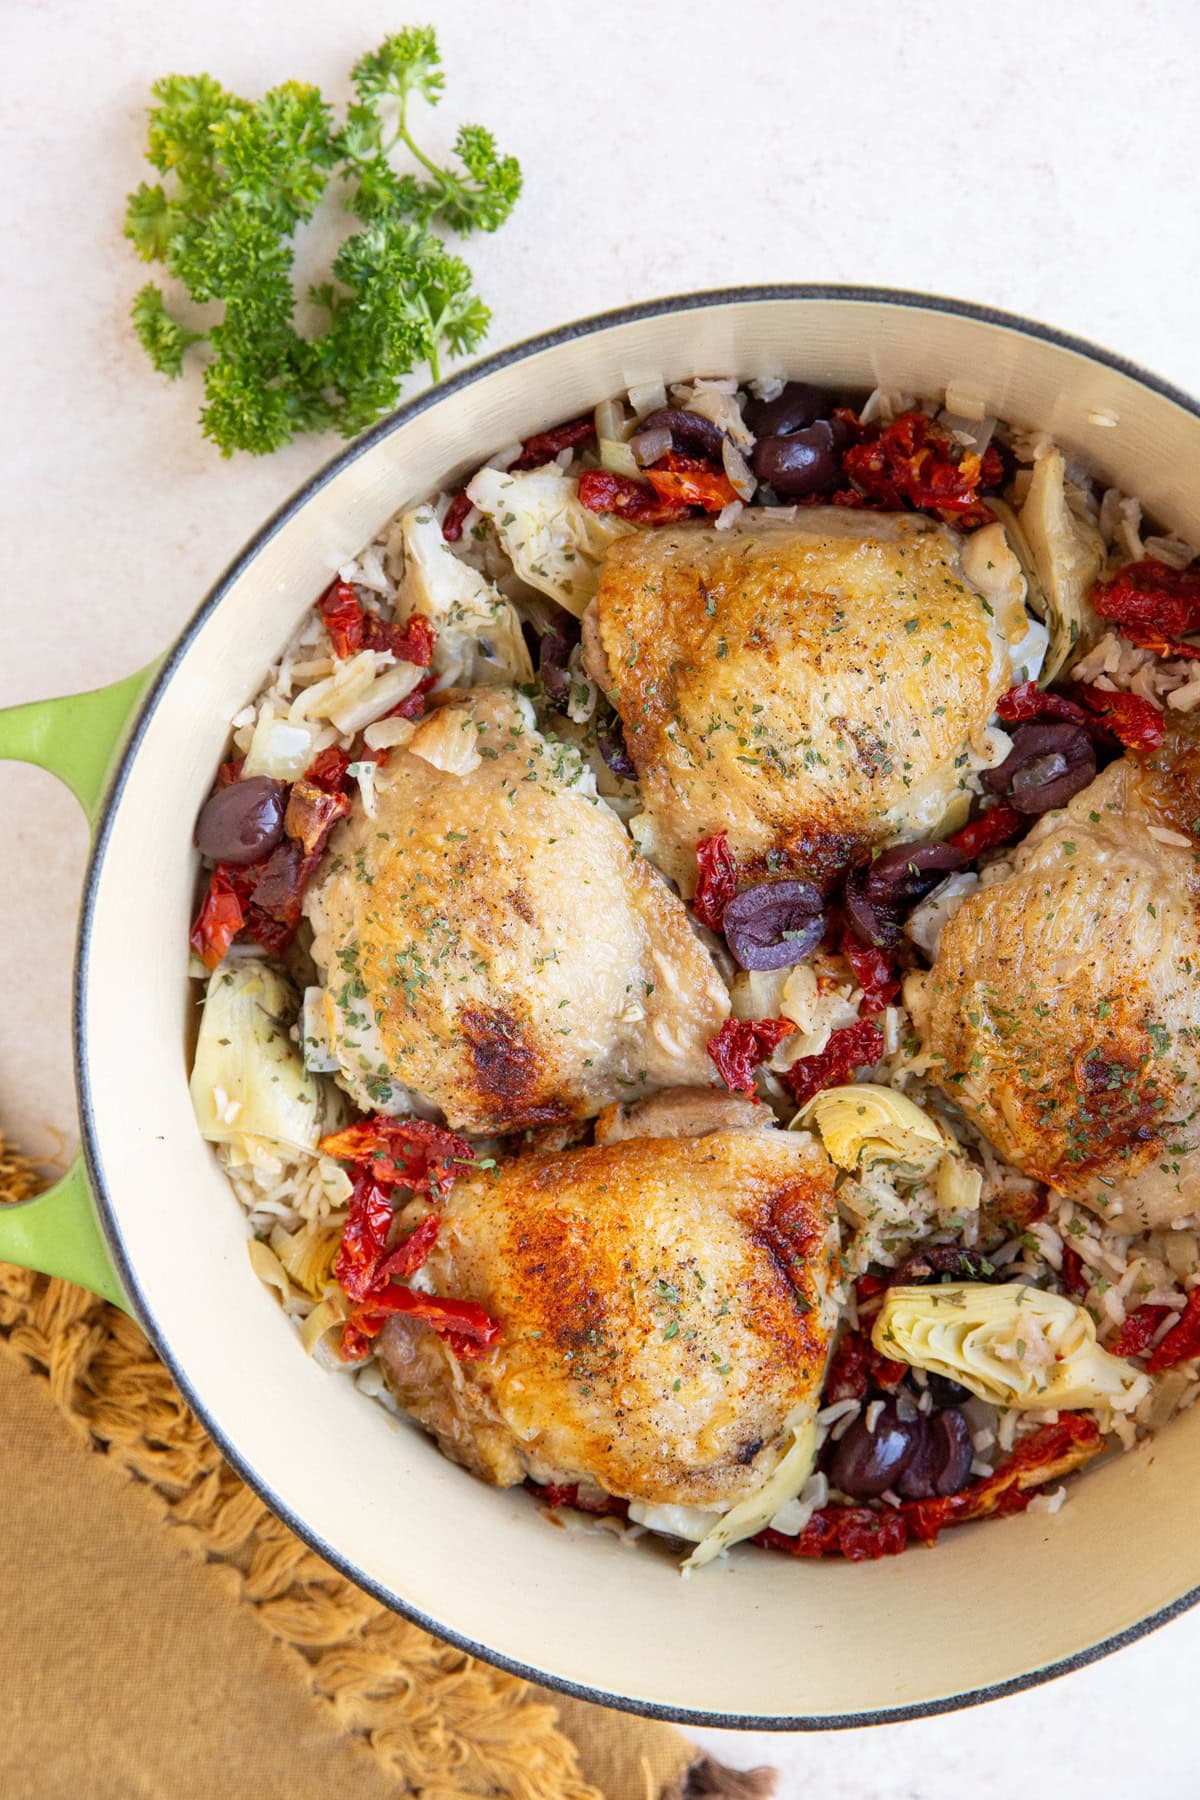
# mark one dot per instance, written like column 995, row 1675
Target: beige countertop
column 1039, row 158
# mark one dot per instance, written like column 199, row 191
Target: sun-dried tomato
column 741, row 1044
column 279, row 890
column 353, row 628
column 693, row 488
column 229, row 772
column 1074, row 1275
column 567, row 1494
column 544, row 446
column 456, row 513
column 851, row 1048
column 1138, row 1330
column 717, row 882
column 467, row 1329
column 402, row 1263
column 1134, row 722
column 424, row 1156
column 869, row 1287
column 364, row 1239
column 849, row 1369
column 858, row 1533
column 414, row 641
column 328, row 770
column 914, row 461
column 1029, row 701
column 995, row 826
column 1052, row 1451
column 221, row 916
column 311, row 815
column 874, row 972
column 885, row 1372
column 1154, row 601
column 602, row 492
column 1183, row 1339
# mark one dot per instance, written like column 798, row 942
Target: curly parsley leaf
column 241, row 176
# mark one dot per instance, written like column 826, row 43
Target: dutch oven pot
column 147, row 1219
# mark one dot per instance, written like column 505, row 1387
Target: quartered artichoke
column 758, row 1509
column 1012, row 1345
column 1061, row 555
column 249, row 1086
column 864, row 1123
column 553, row 542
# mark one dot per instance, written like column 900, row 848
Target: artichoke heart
column 1012, row 1345
column 249, row 1086
column 866, row 1123
column 758, row 1509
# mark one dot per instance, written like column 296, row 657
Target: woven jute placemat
column 138, row 1655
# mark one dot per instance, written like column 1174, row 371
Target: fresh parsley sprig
column 240, row 176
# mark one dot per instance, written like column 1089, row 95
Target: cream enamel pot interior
column 762, row 1641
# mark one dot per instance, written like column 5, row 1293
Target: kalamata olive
column 945, row 1392
column 804, row 462
column 774, row 923
column 554, row 654
column 880, row 893
column 610, row 741
column 690, row 432
column 944, row 1262
column 940, row 1460
column 243, row 822
column 865, row 1463
column 798, row 404
column 1047, row 765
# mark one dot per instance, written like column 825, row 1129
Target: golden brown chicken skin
column 812, row 688
column 665, row 1312
column 492, row 944
column 1063, row 1009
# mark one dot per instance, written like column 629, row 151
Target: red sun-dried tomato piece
column 344, row 618
column 741, row 1044
column 995, row 826
column 424, row 1156
column 1074, row 1274
column 1146, row 637
column 692, row 488
column 1136, row 1333
column 602, row 492
column 219, row 920
column 544, row 446
column 849, row 1374
column 915, row 461
column 364, row 1239
column 1151, row 596
column 555, row 1494
column 717, row 881
column 858, row 1533
column 874, row 972
column 1052, row 1451
column 852, row 1047
column 456, row 513
column 228, row 773
column 402, row 1263
column 1183, row 1339
column 414, row 641
column 1134, row 722
column 328, row 770
column 467, row 1329
column 1029, row 701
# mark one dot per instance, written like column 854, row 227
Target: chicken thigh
column 490, row 943
column 665, row 1308
column 812, row 688
column 1063, row 1009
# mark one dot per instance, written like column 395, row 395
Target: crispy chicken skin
column 492, row 945
column 1064, row 1004
column 812, row 689
column 664, row 1307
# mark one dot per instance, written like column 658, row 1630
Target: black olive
column 690, row 432
column 804, row 462
column 774, row 923
column 880, row 893
column 863, row 1464
column 798, row 404
column 554, row 653
column 610, row 740
column 1047, row 765
column 941, row 1458
column 241, row 823
column 944, row 1392
column 944, row 1262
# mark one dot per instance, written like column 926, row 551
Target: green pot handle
column 76, row 738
